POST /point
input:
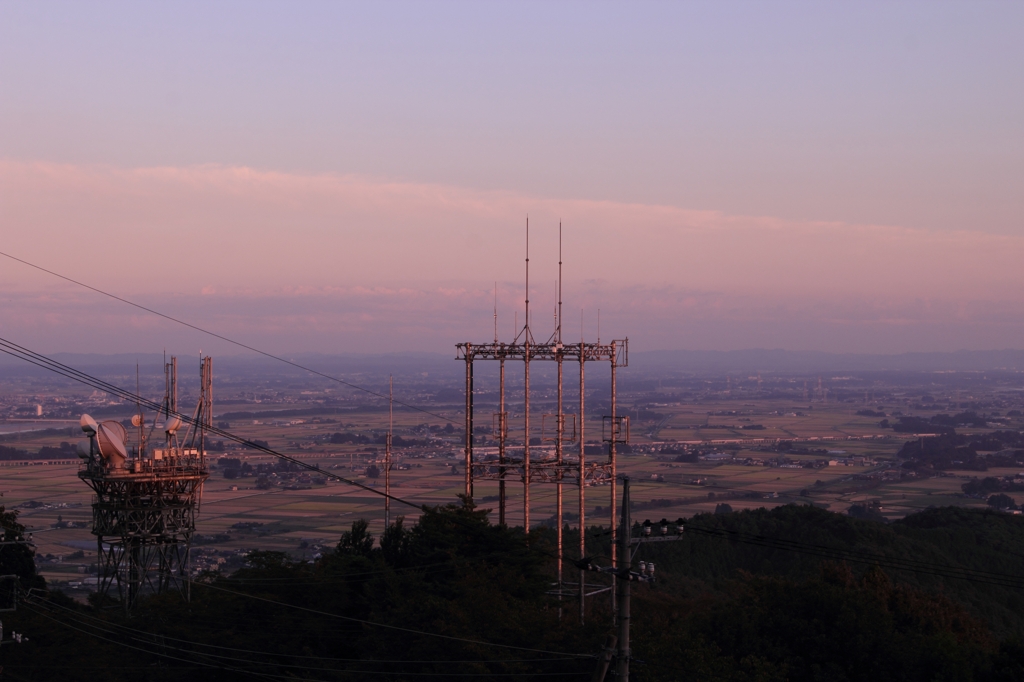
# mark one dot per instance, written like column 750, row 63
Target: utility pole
column 622, row 664
column 625, row 577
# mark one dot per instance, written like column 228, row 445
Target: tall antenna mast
column 527, row 342
column 495, row 312
column 527, row 324
column 546, row 469
column 167, row 388
column 138, row 410
column 559, row 327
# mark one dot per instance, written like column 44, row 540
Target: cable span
column 44, row 362
column 393, row 627
column 219, row 336
column 39, row 360
column 198, row 656
column 134, row 633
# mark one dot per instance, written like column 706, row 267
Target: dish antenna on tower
column 107, row 438
column 89, row 425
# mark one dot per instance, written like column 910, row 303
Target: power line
column 23, row 353
column 69, row 372
column 136, row 648
column 197, row 657
column 220, row 336
column 391, row 627
column 135, row 633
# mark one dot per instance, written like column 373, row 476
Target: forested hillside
column 795, row 593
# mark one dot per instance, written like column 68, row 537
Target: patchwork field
column 683, row 459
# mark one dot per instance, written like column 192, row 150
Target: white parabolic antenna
column 88, row 425
column 111, row 438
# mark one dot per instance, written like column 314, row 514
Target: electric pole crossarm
column 621, row 573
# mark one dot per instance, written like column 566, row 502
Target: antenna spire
column 559, row 326
column 527, row 323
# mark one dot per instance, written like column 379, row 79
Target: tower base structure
column 144, row 521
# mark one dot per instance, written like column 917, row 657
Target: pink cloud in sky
column 308, row 262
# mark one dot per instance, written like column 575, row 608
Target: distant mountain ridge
column 691, row 361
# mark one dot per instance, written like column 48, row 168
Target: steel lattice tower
column 539, row 465
column 145, row 504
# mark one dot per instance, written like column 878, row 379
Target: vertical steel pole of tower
column 469, row 422
column 174, row 384
column 526, row 434
column 387, row 452
column 526, row 393
column 559, row 424
column 502, row 430
column 185, row 564
column 622, row 666
column 202, row 404
column 611, row 460
column 583, row 485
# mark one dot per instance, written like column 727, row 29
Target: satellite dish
column 88, row 424
column 85, row 448
column 172, row 424
column 136, row 420
column 111, row 437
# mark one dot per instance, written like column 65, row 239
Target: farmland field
column 302, row 515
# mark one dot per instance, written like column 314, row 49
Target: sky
column 357, row 177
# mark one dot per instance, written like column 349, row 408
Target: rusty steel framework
column 559, row 467
column 144, row 508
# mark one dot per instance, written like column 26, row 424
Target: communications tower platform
column 146, row 498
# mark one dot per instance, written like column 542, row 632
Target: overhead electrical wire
column 66, row 624
column 136, row 634
column 221, row 337
column 13, row 349
column 32, row 357
column 197, row 657
column 392, row 627
column 42, row 361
